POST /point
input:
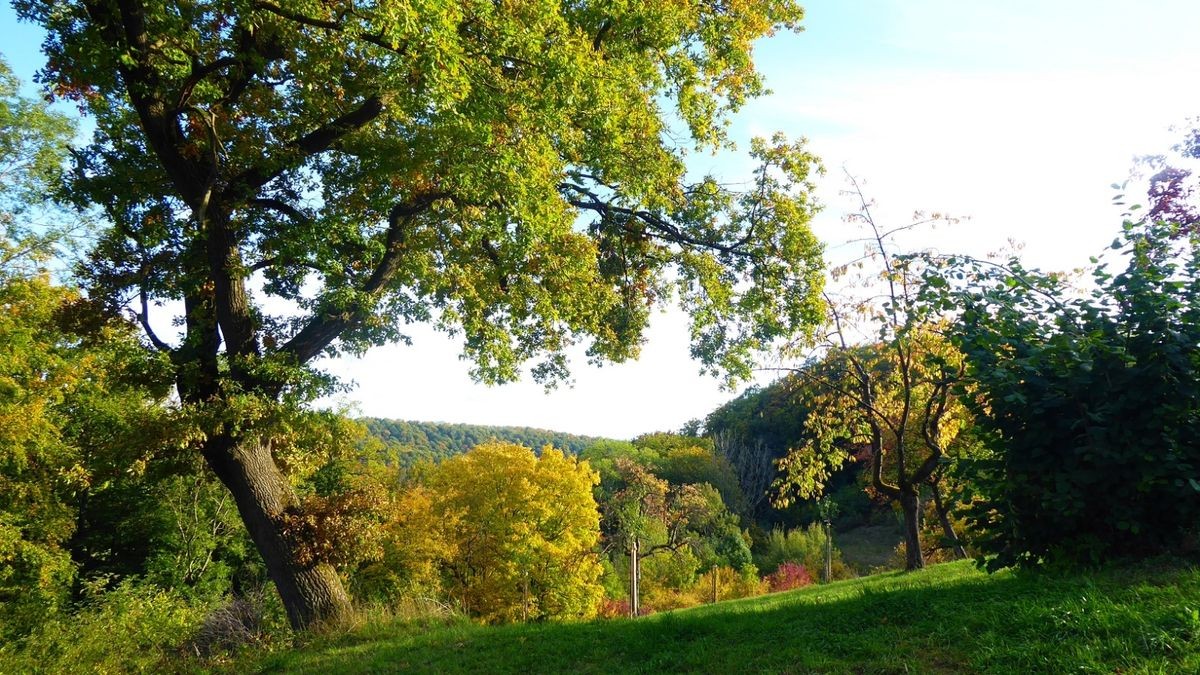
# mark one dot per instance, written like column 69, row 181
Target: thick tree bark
column 909, row 504
column 312, row 593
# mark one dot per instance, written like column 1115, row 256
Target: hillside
column 409, row 441
column 946, row 619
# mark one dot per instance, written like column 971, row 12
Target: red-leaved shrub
column 613, row 609
column 789, row 575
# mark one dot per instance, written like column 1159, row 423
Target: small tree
column 884, row 386
column 523, row 529
column 646, row 516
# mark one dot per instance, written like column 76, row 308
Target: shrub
column 613, row 608
column 789, row 575
column 802, row 546
column 731, row 584
column 1088, row 406
column 132, row 628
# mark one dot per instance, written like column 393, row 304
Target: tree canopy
column 524, row 529
column 33, row 149
column 304, row 179
column 397, row 162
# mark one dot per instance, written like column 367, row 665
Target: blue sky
column 1017, row 114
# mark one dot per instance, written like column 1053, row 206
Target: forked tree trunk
column 910, row 505
column 312, row 594
column 947, row 527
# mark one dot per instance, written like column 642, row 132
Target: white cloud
column 1025, row 155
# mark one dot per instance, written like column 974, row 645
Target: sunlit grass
column 949, row 618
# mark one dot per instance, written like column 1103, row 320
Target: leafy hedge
column 1090, row 402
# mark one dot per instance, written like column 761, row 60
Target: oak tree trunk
column 311, row 593
column 910, row 505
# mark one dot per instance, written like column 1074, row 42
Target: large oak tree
column 304, row 178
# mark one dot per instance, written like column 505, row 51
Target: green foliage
column 773, row 414
column 444, row 180
column 676, row 459
column 132, row 628
column 34, row 141
column 909, row 413
column 179, row 532
column 1089, row 402
column 664, row 574
column 677, row 530
column 719, row 541
column 683, row 460
column 759, row 428
column 410, row 442
column 805, row 546
column 65, row 373
column 298, row 180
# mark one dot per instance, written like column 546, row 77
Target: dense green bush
column 1090, row 403
column 132, row 628
column 804, row 546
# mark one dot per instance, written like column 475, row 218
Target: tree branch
column 283, row 207
column 590, row 201
column 199, row 72
column 144, row 319
column 243, row 186
column 336, row 25
column 323, row 329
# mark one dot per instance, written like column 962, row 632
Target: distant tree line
column 406, row 443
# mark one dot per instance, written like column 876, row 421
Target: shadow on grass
column 954, row 620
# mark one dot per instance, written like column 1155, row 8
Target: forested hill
column 436, row 440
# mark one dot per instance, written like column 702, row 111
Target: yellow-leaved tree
column 414, row 544
column 524, row 529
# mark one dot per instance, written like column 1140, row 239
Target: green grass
column 947, row 619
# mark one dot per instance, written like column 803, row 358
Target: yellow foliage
column 524, row 531
column 731, row 584
column 415, row 542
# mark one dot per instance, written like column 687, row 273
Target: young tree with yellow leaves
column 523, row 529
column 883, row 388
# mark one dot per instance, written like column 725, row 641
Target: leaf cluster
column 1087, row 401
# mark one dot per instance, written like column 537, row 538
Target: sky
column 1016, row 116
